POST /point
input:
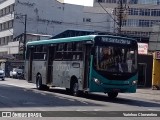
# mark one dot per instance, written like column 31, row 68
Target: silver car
column 2, row 74
column 16, row 73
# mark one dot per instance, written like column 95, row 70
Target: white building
column 140, row 14
column 48, row 17
column 78, row 2
column 154, row 42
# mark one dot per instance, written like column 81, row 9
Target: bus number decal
column 63, row 67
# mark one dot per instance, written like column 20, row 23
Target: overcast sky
column 80, row 2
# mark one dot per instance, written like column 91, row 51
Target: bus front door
column 49, row 64
column 87, row 66
column 30, row 65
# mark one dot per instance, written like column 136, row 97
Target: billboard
column 142, row 48
column 157, row 55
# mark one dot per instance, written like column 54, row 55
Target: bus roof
column 71, row 39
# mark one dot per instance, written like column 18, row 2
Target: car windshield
column 115, row 59
column 17, row 70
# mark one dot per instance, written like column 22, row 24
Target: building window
column 11, row 24
column 133, row 11
column 1, row 12
column 11, row 38
column 144, row 12
column 155, row 12
column 0, row 27
column 12, row 8
column 6, row 25
column 139, row 23
column 110, row 1
column 7, row 10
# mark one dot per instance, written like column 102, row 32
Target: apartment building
column 45, row 17
column 140, row 15
column 154, row 43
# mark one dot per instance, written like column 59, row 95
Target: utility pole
column 120, row 13
column 120, row 8
column 25, row 32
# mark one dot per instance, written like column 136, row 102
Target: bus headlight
column 97, row 81
column 134, row 82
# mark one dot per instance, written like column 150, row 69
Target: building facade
column 138, row 17
column 35, row 16
column 154, row 43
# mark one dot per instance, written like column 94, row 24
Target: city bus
column 92, row 63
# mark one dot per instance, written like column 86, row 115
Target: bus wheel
column 39, row 82
column 112, row 95
column 74, row 88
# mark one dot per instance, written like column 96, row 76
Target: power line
column 108, row 13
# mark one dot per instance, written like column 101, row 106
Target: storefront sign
column 142, row 48
column 157, row 55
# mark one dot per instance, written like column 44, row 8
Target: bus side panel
column 64, row 70
column 39, row 67
column 77, row 69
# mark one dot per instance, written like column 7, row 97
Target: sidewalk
column 18, row 83
column 148, row 91
column 145, row 93
column 142, row 93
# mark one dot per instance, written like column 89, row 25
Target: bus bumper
column 121, row 88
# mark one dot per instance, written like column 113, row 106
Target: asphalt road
column 17, row 95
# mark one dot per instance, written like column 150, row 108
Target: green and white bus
column 92, row 63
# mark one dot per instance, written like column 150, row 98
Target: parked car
column 17, row 73
column 2, row 74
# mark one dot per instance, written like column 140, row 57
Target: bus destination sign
column 115, row 40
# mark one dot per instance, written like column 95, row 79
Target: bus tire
column 112, row 95
column 74, row 88
column 39, row 84
column 68, row 90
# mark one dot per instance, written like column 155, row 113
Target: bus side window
column 68, row 51
column 59, row 52
column 40, row 53
column 78, row 51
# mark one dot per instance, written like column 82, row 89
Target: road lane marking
column 97, row 109
column 42, row 93
column 71, row 100
column 4, row 96
column 82, row 101
column 152, row 109
column 29, row 103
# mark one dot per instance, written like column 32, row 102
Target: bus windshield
column 115, row 59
